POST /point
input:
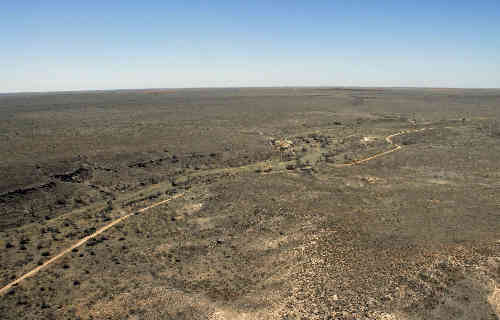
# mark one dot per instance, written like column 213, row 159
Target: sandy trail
column 389, row 140
column 79, row 243
column 106, row 227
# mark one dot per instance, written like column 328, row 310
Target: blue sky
column 74, row 45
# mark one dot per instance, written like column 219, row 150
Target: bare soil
column 280, row 216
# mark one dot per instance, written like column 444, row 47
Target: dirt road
column 389, row 140
column 106, row 227
column 79, row 243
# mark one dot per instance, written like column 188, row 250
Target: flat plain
column 251, row 203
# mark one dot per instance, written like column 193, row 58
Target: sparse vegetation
column 284, row 232
column 491, row 128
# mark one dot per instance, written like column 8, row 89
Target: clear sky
column 70, row 45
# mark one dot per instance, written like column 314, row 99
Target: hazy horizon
column 244, row 87
column 60, row 46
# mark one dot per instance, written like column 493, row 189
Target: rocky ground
column 271, row 223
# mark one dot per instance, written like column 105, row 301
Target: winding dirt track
column 106, row 227
column 389, row 140
column 79, row 243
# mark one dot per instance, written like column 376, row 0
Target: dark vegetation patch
column 79, row 175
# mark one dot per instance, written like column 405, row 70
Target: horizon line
column 241, row 87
